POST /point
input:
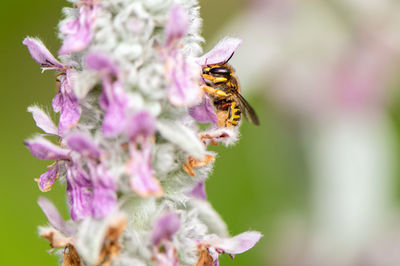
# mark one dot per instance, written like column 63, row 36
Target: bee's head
column 216, row 73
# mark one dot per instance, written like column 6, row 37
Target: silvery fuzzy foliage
column 127, row 78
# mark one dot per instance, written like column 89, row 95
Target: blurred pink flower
column 65, row 100
column 78, row 32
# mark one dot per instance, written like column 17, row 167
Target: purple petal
column 101, row 63
column 215, row 255
column 221, row 52
column 77, row 175
column 47, row 179
column 165, row 228
column 45, row 150
column 184, row 77
column 54, row 217
column 78, row 33
column 41, row 54
column 199, row 191
column 70, row 27
column 141, row 173
column 100, row 176
column 104, row 202
column 67, row 103
column 104, row 194
column 113, row 98
column 79, row 200
column 204, row 112
column 184, row 89
column 57, row 102
column 79, row 197
column 114, row 120
column 142, row 124
column 167, row 255
column 235, row 245
column 177, row 26
column 42, row 120
column 83, row 144
column 70, row 114
column 103, row 101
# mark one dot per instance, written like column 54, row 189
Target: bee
column 223, row 87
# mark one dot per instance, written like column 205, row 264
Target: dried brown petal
column 111, row 246
column 71, row 256
column 205, row 258
column 192, row 163
column 225, row 135
column 56, row 239
column 208, row 138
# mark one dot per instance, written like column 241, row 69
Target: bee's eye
column 220, row 71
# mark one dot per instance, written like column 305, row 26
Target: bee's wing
column 247, row 110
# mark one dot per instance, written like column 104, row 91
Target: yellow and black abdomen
column 235, row 114
column 228, row 111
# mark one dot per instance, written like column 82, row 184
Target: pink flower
column 41, row 54
column 90, row 193
column 47, row 179
column 199, row 191
column 43, row 121
column 165, row 228
column 66, row 103
column 54, row 217
column 234, row 245
column 184, row 76
column 65, row 100
column 204, row 112
column 140, row 131
column 45, row 150
column 113, row 99
column 78, row 31
column 221, row 52
column 163, row 232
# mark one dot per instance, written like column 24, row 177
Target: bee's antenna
column 229, row 58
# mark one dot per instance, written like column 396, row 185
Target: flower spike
column 127, row 146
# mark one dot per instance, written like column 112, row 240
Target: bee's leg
column 214, row 79
column 192, row 163
column 214, row 92
column 205, row 138
column 234, row 114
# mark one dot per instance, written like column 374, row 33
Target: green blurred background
column 254, row 184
